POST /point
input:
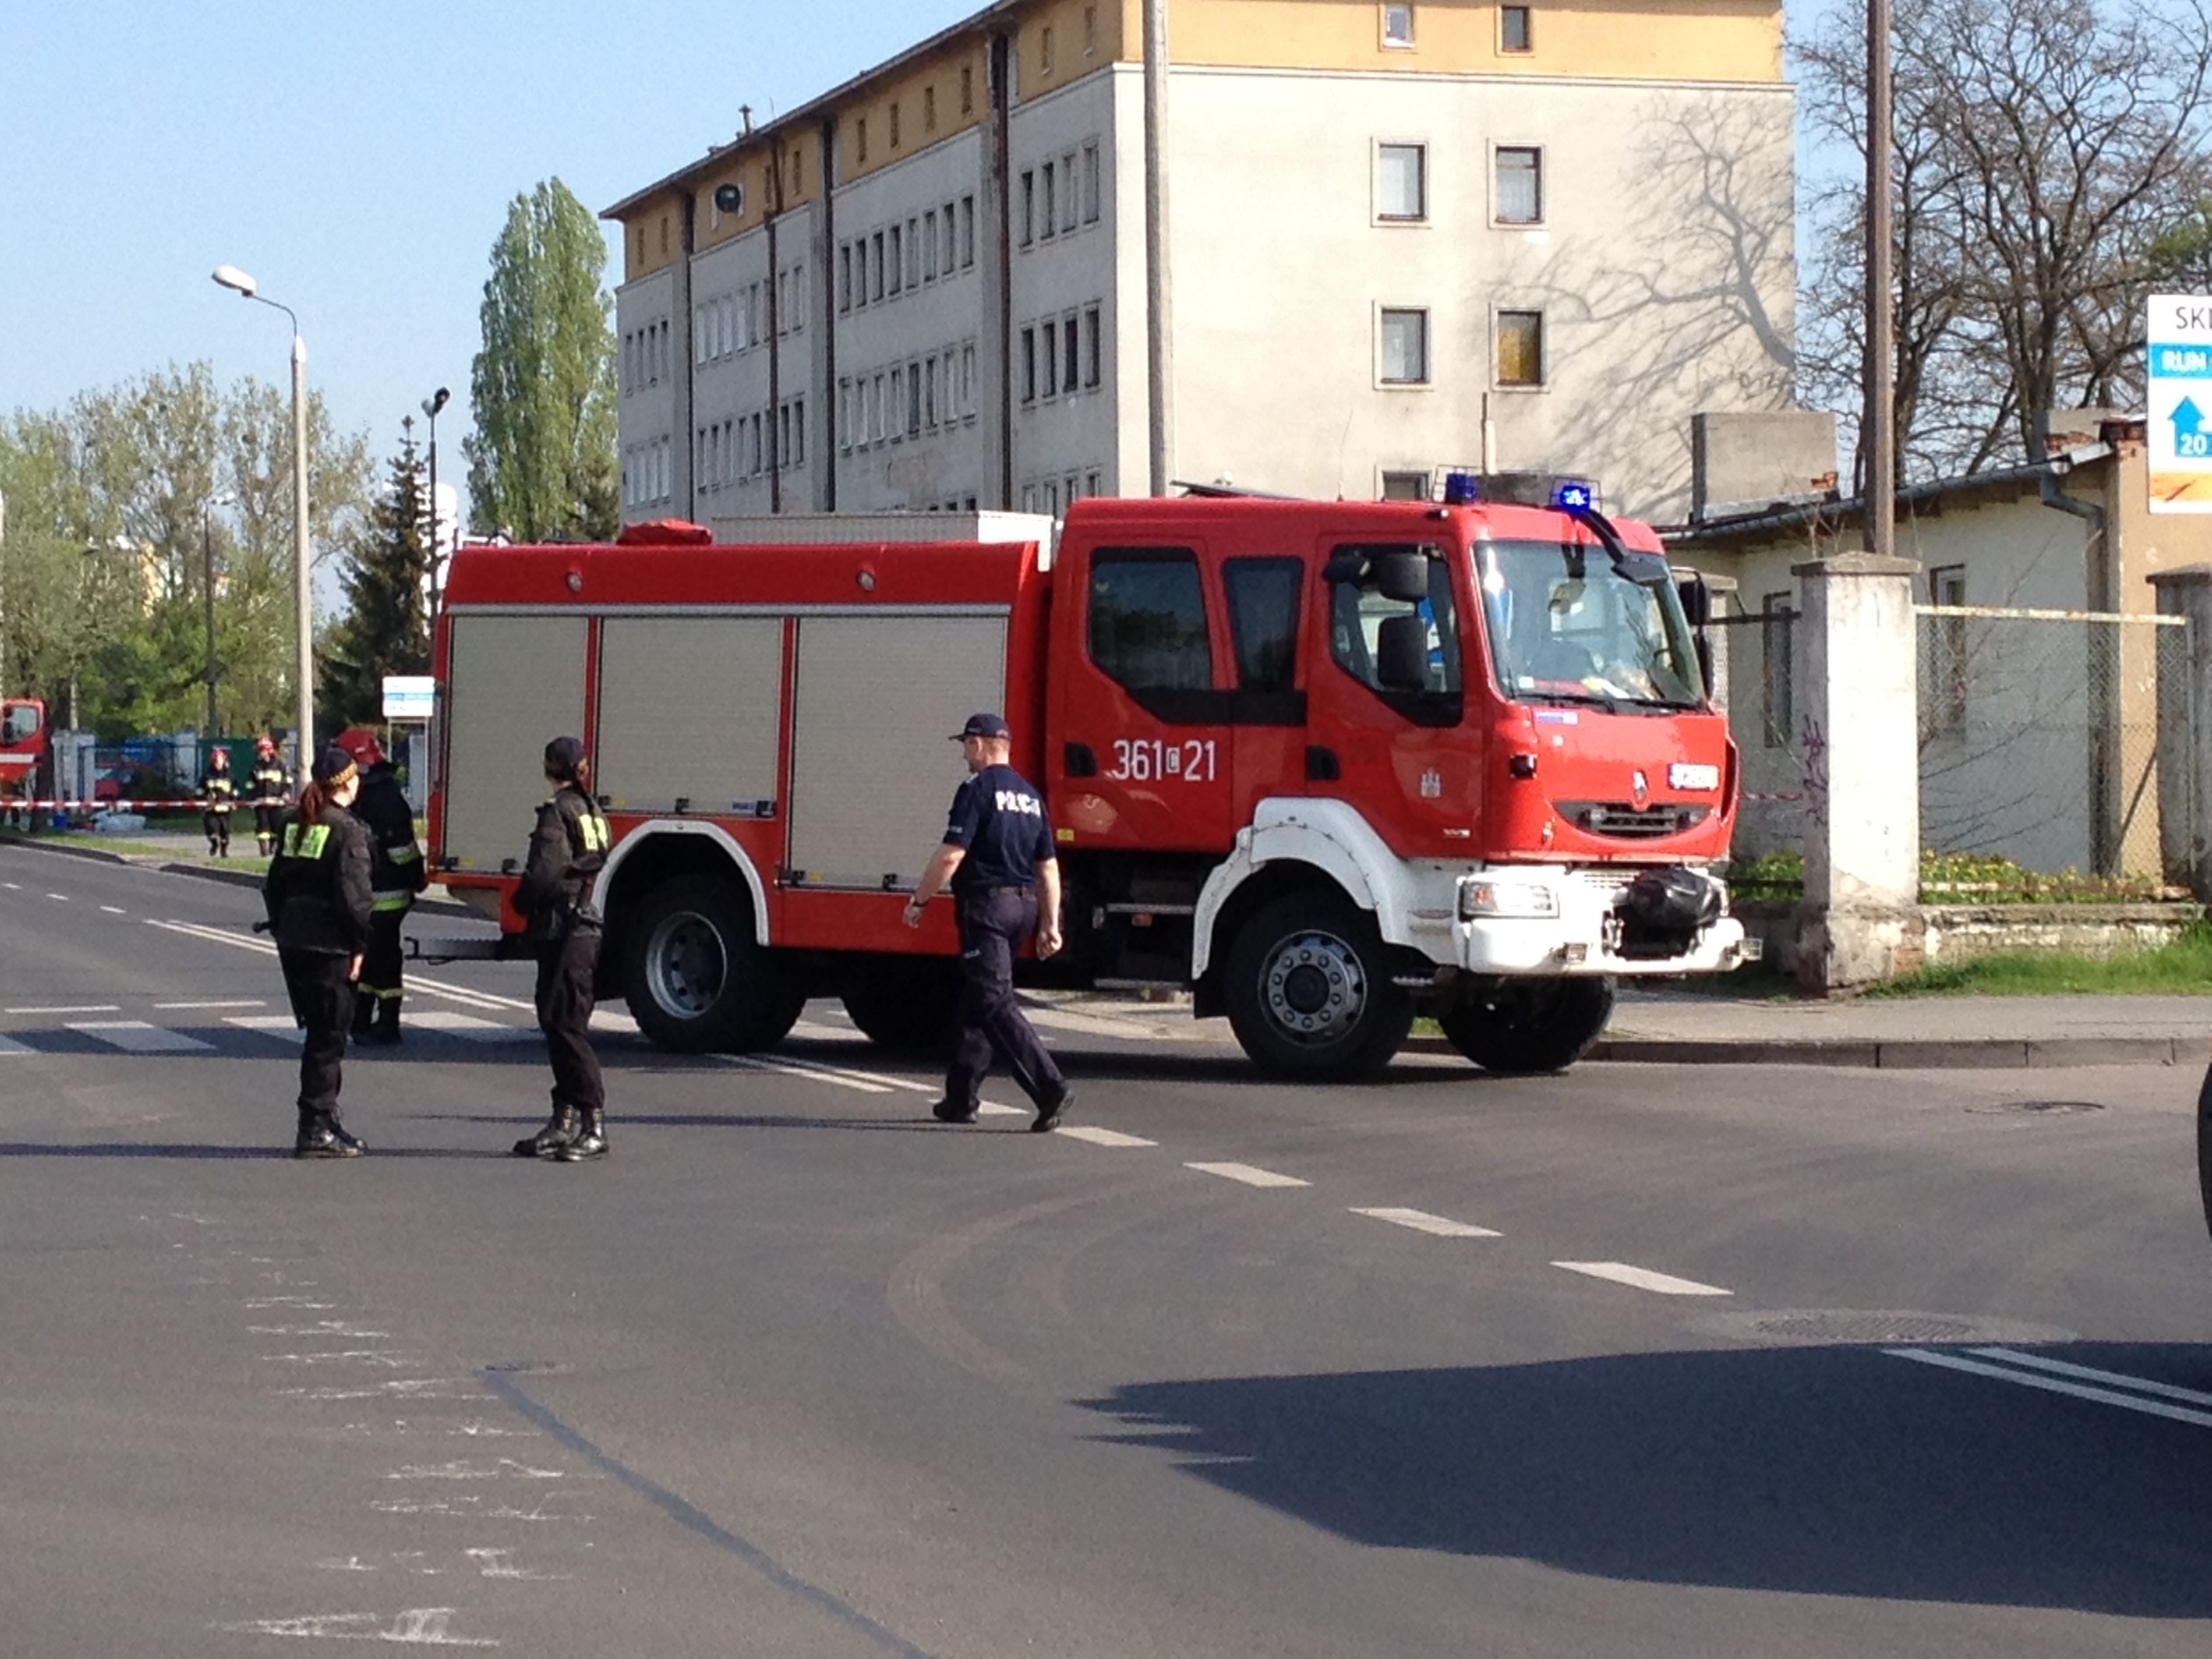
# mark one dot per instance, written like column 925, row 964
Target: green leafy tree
column 2181, row 258
column 541, row 460
column 386, row 629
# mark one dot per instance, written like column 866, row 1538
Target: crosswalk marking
column 1250, row 1176
column 469, row 1026
column 1641, row 1278
column 282, row 1026
column 1422, row 1222
column 135, row 1036
column 1099, row 1137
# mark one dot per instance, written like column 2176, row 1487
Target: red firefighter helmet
column 360, row 743
column 264, row 745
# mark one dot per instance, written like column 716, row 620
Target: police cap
column 984, row 725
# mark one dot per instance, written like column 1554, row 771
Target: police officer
column 318, row 898
column 999, row 860
column 396, row 875
column 218, row 790
column 270, row 786
column 567, row 850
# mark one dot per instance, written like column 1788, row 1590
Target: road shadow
column 222, row 1154
column 1832, row 1471
column 618, row 1119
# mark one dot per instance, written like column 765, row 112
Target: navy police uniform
column 317, row 900
column 998, row 820
column 567, row 850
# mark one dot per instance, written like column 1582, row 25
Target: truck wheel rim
column 685, row 965
column 1314, row 988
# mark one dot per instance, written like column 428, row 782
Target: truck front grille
column 1622, row 821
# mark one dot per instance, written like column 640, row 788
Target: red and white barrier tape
column 9, row 805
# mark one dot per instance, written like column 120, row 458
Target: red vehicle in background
column 22, row 744
column 1326, row 764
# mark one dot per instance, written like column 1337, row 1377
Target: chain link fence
column 2038, row 739
column 1758, row 676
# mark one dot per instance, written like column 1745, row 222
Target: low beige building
column 1401, row 237
column 2038, row 734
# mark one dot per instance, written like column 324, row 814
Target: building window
column 1405, row 342
column 967, row 231
column 1514, row 32
column 1095, row 356
column 1048, row 344
column 845, row 278
column 1520, row 187
column 914, row 400
column 929, row 247
column 929, row 109
column 898, row 260
column 860, row 138
column 798, row 432
column 1091, row 483
column 1067, row 202
column 1090, row 182
column 914, row 253
column 1029, row 366
column 1398, row 27
column 664, row 235
column 1044, row 50
column 1028, row 208
column 1051, row 210
column 1089, row 30
column 845, row 415
column 968, row 382
column 799, row 173
column 881, row 428
column 1402, row 182
column 1777, row 684
column 1405, row 486
column 893, row 123
column 876, row 266
column 929, row 396
column 967, row 90
column 1072, row 355
column 1520, row 348
column 1943, row 679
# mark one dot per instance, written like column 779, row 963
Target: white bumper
column 1578, row 940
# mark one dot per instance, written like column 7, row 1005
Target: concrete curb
column 202, row 872
column 1886, row 1055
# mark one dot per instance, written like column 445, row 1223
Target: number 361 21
column 1146, row 759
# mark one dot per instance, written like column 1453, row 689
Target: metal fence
column 1758, row 677
column 2038, row 737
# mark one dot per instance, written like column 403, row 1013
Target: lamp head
column 432, row 405
column 231, row 277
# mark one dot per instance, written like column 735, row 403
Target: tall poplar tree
column 541, row 460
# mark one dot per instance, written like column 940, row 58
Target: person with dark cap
column 318, row 897
column 567, row 850
column 268, row 784
column 218, row 794
column 999, row 860
column 396, row 875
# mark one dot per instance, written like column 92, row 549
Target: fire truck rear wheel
column 696, row 979
column 1309, row 992
column 1519, row 1027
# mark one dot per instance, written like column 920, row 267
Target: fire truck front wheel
column 696, row 980
column 1519, row 1027
column 1309, row 990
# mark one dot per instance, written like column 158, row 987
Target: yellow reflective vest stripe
column 305, row 841
column 594, row 829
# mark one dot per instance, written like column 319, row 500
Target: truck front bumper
column 1557, row 923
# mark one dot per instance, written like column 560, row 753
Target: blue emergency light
column 1574, row 495
column 1462, row 489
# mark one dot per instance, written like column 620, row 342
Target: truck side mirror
column 1401, row 653
column 1697, row 600
column 1401, row 575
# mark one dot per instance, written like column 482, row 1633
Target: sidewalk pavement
column 1666, row 1026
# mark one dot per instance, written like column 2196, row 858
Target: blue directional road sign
column 2180, row 392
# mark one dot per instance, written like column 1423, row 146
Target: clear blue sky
column 358, row 160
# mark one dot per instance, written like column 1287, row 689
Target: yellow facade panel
column 923, row 104
column 1631, row 39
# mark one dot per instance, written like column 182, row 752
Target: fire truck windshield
column 1568, row 623
column 19, row 722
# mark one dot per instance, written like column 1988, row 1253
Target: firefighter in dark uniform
column 396, row 875
column 269, row 786
column 999, row 860
column 318, row 898
column 218, row 790
column 567, row 850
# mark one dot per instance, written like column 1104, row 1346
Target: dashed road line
column 12, row 886
column 1096, row 1136
column 135, row 1036
column 74, row 1008
column 2090, row 1374
column 113, row 910
column 60, row 898
column 758, row 1063
column 1641, row 1279
column 2036, row 1379
column 1422, row 1222
column 1249, row 1174
column 211, row 1007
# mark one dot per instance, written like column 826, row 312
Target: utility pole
column 769, row 211
column 3, row 592
column 1159, row 298
column 1879, row 432
column 207, row 595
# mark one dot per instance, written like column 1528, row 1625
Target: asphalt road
column 1615, row 1364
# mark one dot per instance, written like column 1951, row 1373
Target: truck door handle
column 1081, row 762
column 1321, row 765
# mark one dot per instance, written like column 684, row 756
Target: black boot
column 324, row 1137
column 364, row 1015
column 591, row 1139
column 387, row 1029
column 560, row 1129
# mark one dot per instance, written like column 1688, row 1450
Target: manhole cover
column 526, row 1367
column 1875, row 1327
column 2034, row 1107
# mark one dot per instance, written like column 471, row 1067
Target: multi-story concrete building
column 1400, row 237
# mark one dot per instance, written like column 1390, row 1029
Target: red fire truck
column 1328, row 765
column 23, row 744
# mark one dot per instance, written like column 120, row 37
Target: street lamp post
column 431, row 405
column 207, row 593
column 231, row 276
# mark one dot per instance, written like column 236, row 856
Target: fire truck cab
column 22, row 742
column 1327, row 765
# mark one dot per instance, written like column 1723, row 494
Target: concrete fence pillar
column 1861, row 740
column 2184, row 730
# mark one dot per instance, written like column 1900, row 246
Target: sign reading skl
column 409, row 697
column 2180, row 403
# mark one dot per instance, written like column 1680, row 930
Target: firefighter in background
column 396, row 875
column 269, row 786
column 567, row 850
column 999, row 860
column 218, row 791
column 318, row 898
